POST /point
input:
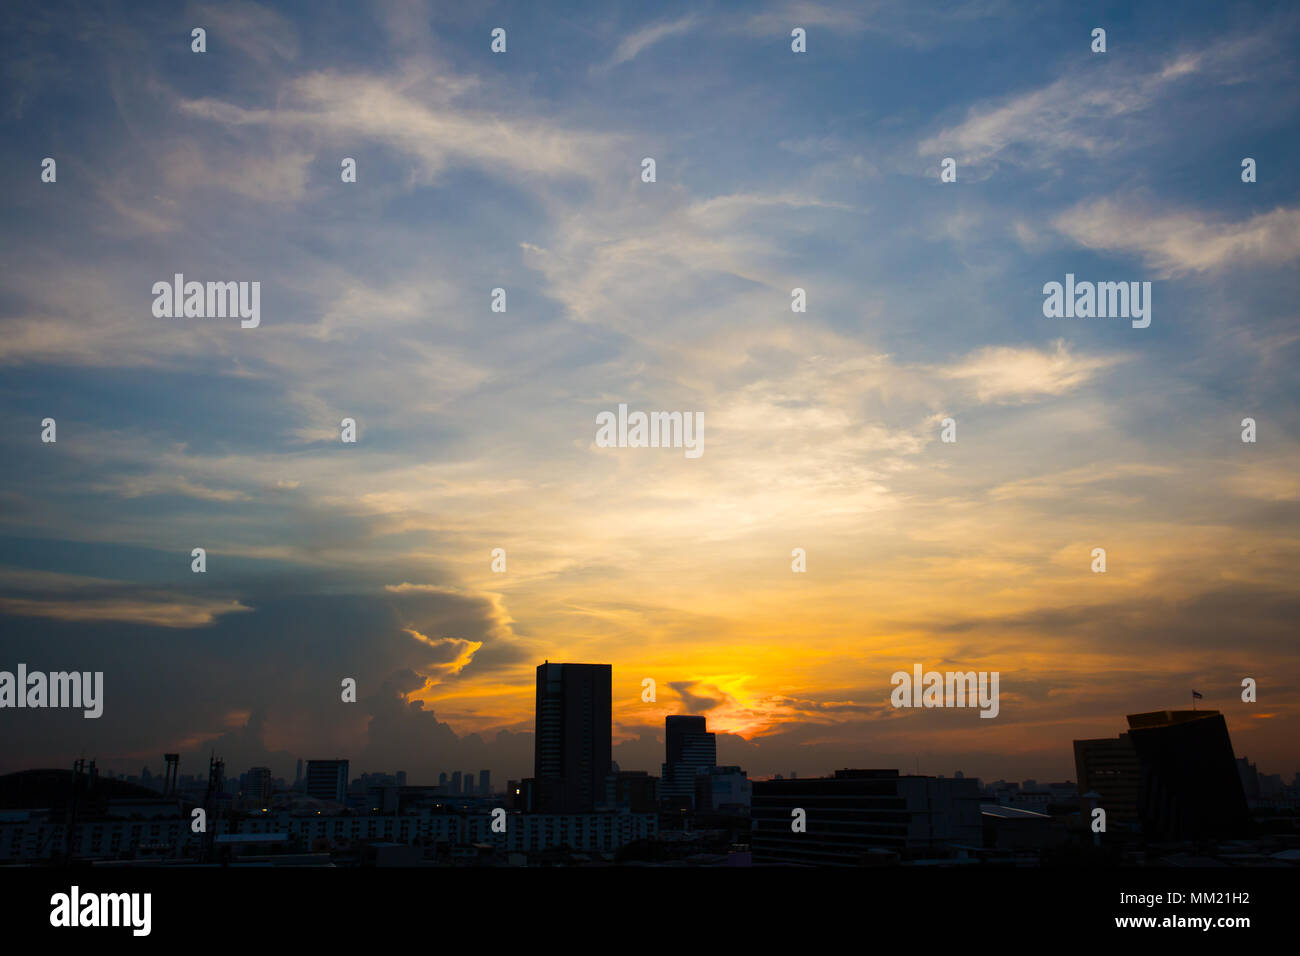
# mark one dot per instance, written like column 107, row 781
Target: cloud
column 637, row 42
column 1176, row 243
column 1008, row 374
column 694, row 702
column 174, row 613
column 259, row 33
column 332, row 106
column 1084, row 111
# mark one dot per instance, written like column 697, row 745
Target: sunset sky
column 522, row 170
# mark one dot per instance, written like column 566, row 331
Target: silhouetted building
column 1108, row 767
column 1249, row 775
column 690, row 749
column 571, row 759
column 723, row 790
column 327, row 779
column 636, row 790
column 1173, row 772
column 521, row 794
column 485, row 782
column 257, row 785
column 864, row 817
column 1189, row 787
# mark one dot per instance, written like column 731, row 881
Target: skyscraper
column 690, row 749
column 571, row 757
column 484, row 782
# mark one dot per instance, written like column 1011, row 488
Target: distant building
column 257, row 785
column 1108, row 767
column 689, row 749
column 723, row 790
column 327, row 780
column 1249, row 775
column 1190, row 788
column 864, row 816
column 1174, row 772
column 485, row 782
column 573, row 739
column 636, row 790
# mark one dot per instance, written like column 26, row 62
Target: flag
column 1196, row 695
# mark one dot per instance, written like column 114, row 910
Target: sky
column 476, row 429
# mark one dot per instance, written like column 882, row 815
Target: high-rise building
column 257, row 785
column 455, row 784
column 327, row 780
column 484, row 782
column 469, row 782
column 571, row 758
column 442, row 780
column 690, row 750
column 297, row 781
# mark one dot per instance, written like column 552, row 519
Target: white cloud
column 1182, row 242
column 636, row 43
column 1004, row 374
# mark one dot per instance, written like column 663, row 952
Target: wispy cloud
column 1179, row 242
column 1010, row 374
column 637, row 42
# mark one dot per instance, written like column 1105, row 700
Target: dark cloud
column 694, row 703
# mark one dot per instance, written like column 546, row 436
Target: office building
column 1174, row 773
column 1107, row 768
column 571, row 759
column 1189, row 785
column 636, row 790
column 257, row 785
column 327, row 780
column 690, row 749
column 723, row 790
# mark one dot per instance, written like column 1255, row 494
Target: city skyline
column 827, row 536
